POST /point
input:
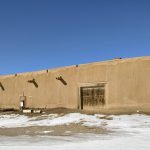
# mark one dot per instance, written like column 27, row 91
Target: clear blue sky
column 42, row 34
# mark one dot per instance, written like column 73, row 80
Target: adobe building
column 117, row 85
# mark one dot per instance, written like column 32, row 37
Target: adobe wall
column 126, row 82
column 49, row 94
column 129, row 83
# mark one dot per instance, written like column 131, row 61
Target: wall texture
column 127, row 85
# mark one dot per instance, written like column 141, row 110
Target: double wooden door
column 92, row 96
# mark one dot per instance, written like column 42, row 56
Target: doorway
column 92, row 96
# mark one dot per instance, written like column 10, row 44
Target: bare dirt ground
column 118, row 111
column 51, row 130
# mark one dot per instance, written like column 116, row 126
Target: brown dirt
column 52, row 130
column 66, row 111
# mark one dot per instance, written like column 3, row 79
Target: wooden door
column 92, row 96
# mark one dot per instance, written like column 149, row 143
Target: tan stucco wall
column 126, row 81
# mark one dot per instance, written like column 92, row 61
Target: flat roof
column 106, row 62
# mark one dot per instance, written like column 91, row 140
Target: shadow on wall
column 2, row 87
column 34, row 82
column 62, row 80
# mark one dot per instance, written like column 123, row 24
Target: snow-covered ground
column 130, row 132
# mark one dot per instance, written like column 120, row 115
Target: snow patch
column 114, row 122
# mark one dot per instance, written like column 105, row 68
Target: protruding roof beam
column 34, row 82
column 62, row 80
